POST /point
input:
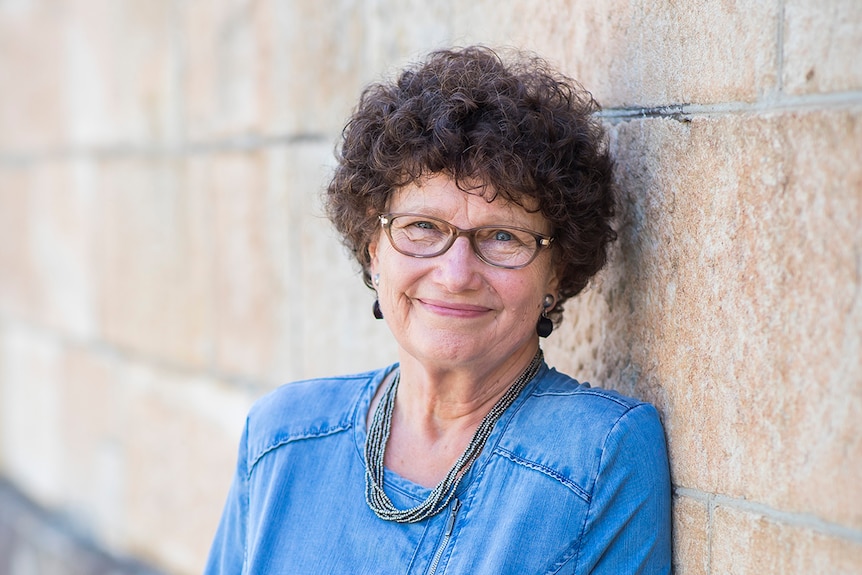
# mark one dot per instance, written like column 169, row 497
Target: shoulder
column 307, row 409
column 558, row 400
column 573, row 428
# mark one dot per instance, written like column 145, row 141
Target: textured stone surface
column 164, row 258
column 155, row 259
column 271, row 67
column 32, row 448
column 331, row 319
column 733, row 302
column 641, row 53
column 822, row 43
column 94, row 471
column 47, row 217
column 103, row 72
column 747, row 542
column 36, row 542
column 16, row 294
column 180, row 466
column 120, row 69
column 690, row 536
column 228, row 47
column 32, row 115
column 245, row 257
column 139, row 457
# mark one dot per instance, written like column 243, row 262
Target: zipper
column 450, row 525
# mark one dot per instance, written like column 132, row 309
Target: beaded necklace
column 378, row 435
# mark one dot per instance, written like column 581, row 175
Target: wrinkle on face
column 458, row 277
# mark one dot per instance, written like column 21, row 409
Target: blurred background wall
column 163, row 259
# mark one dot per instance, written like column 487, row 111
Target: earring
column 375, row 309
column 545, row 326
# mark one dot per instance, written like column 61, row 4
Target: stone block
column 325, row 60
column 225, row 259
column 91, row 423
column 244, row 224
column 731, row 302
column 31, row 440
column 226, row 69
column 690, row 536
column 338, row 332
column 48, row 253
column 748, row 542
column 282, row 282
column 136, row 457
column 34, row 540
column 88, row 72
column 270, row 67
column 641, row 53
column 17, row 297
column 179, row 436
column 396, row 38
column 155, row 253
column 822, row 43
column 32, row 116
column 121, row 66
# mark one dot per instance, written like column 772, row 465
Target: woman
column 476, row 197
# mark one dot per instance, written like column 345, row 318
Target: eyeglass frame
column 542, row 241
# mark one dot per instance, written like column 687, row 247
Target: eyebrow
column 435, row 213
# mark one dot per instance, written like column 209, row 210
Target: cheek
column 525, row 296
column 398, row 273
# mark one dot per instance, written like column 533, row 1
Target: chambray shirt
column 572, row 480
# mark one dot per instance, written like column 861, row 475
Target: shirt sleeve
column 227, row 554
column 628, row 526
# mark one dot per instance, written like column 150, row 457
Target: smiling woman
column 447, row 312
column 476, row 196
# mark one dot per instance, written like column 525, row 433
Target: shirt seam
column 565, row 481
column 290, row 438
column 596, row 392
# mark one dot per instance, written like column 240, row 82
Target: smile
column 452, row 309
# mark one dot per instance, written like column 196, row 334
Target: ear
column 372, row 255
column 553, row 282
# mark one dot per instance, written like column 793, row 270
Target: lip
column 452, row 309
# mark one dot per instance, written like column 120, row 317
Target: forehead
column 441, row 197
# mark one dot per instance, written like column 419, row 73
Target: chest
column 307, row 514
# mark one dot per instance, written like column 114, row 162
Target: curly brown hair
column 519, row 128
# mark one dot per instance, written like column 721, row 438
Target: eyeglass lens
column 424, row 236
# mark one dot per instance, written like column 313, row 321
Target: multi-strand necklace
column 378, row 435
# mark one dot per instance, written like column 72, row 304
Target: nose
column 457, row 267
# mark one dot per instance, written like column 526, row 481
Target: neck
column 442, row 397
column 437, row 412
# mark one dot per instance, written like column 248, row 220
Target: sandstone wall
column 163, row 260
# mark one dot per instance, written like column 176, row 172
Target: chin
column 452, row 347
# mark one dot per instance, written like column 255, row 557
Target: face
column 454, row 309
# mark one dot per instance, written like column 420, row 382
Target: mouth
column 452, row 309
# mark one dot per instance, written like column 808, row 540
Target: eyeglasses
column 421, row 236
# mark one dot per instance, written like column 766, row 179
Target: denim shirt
column 572, row 480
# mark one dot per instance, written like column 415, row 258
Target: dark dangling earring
column 545, row 326
column 375, row 309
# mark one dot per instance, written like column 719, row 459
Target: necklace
column 378, row 435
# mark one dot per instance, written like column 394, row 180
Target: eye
column 502, row 236
column 425, row 225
